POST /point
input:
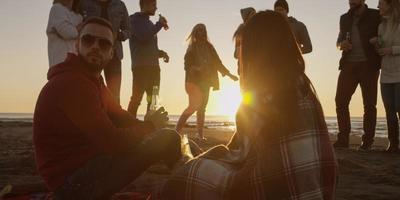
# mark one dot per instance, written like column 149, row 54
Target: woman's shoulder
column 58, row 7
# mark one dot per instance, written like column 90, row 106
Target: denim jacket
column 117, row 15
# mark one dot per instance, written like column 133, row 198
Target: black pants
column 391, row 100
column 352, row 75
column 112, row 74
column 144, row 78
column 105, row 175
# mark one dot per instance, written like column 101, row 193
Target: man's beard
column 92, row 66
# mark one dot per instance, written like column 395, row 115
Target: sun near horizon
column 24, row 63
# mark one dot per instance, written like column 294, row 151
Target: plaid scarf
column 300, row 165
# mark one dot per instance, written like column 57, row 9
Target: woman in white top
column 62, row 30
column 388, row 46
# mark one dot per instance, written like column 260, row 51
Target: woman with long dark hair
column 62, row 30
column 388, row 46
column 281, row 149
column 202, row 65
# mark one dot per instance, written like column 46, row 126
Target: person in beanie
column 246, row 14
column 298, row 27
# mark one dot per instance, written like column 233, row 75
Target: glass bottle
column 155, row 100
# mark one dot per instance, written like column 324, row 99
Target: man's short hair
column 143, row 2
column 97, row 20
column 282, row 3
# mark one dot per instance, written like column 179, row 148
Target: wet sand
column 363, row 175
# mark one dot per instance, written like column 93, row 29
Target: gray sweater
column 390, row 69
column 301, row 34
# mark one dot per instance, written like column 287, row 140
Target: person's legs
column 194, row 94
column 152, row 79
column 388, row 93
column 395, row 136
column 138, row 88
column 369, row 89
column 201, row 112
column 112, row 74
column 346, row 86
column 105, row 175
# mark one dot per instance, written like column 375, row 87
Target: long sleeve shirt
column 143, row 42
column 61, row 33
column 390, row 69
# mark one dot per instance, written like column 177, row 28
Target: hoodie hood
column 292, row 20
column 72, row 64
column 140, row 15
column 66, row 66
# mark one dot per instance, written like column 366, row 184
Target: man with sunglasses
column 114, row 11
column 86, row 145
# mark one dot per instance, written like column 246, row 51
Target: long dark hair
column 273, row 67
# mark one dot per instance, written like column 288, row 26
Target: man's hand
column 164, row 55
column 345, row 45
column 158, row 118
column 385, row 51
column 163, row 21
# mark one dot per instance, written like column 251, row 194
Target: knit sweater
column 61, row 33
column 390, row 63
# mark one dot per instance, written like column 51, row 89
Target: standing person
column 281, row 148
column 86, row 145
column 62, row 30
column 202, row 65
column 298, row 28
column 246, row 13
column 145, row 53
column 359, row 65
column 114, row 11
column 388, row 46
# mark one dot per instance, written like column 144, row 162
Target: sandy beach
column 363, row 175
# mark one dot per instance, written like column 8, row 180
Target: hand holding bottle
column 163, row 21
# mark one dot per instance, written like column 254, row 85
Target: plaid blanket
column 301, row 165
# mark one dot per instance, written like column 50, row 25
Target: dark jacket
column 117, row 15
column 207, row 77
column 368, row 28
column 75, row 119
column 302, row 37
column 143, row 41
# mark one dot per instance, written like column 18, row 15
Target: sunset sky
column 24, row 63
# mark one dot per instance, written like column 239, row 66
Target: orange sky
column 23, row 50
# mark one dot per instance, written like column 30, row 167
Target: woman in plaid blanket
column 281, row 149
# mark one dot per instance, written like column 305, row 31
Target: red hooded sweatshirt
column 75, row 119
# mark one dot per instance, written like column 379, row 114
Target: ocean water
column 228, row 122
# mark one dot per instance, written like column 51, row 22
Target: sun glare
column 228, row 100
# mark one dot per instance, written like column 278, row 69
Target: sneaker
column 340, row 144
column 365, row 146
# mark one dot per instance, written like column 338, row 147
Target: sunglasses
column 89, row 40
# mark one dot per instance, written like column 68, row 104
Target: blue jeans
column 391, row 100
column 106, row 174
